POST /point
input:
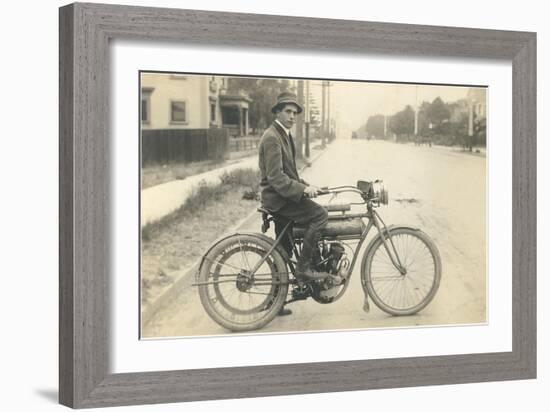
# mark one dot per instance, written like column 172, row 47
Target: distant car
column 421, row 140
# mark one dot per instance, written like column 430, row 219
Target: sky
column 352, row 103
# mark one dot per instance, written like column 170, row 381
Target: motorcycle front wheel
column 399, row 293
column 231, row 295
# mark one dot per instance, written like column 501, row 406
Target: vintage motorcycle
column 244, row 278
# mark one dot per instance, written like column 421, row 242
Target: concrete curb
column 180, row 284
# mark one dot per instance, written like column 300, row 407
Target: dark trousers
column 305, row 213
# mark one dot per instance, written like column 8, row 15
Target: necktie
column 291, row 143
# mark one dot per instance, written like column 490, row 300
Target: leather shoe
column 284, row 312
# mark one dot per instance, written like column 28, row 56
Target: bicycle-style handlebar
column 323, row 191
column 338, row 189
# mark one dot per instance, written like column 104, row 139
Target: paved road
column 440, row 191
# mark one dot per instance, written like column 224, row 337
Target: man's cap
column 286, row 98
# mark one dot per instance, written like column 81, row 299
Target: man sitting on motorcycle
column 283, row 192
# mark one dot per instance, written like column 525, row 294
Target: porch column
column 246, row 122
column 240, row 121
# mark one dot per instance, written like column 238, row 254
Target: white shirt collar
column 287, row 131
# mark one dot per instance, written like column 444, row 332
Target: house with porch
column 187, row 118
column 477, row 114
column 182, row 101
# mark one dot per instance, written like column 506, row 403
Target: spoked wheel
column 231, row 295
column 407, row 292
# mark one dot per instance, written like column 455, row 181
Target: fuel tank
column 351, row 227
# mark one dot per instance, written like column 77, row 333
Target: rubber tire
column 278, row 301
column 365, row 272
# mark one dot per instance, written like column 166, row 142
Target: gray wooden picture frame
column 85, row 32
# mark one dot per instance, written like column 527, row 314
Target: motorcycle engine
column 334, row 255
column 335, row 262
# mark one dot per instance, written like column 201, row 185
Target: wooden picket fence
column 239, row 144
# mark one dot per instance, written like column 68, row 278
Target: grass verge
column 156, row 175
column 179, row 239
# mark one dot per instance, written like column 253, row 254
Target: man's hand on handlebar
column 314, row 191
column 311, row 191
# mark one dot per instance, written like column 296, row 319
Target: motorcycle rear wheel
column 402, row 294
column 231, row 296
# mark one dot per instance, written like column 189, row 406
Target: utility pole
column 470, row 123
column 300, row 121
column 307, row 116
column 470, row 118
column 416, row 111
column 329, row 120
column 324, row 114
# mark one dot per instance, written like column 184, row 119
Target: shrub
column 202, row 195
column 247, row 178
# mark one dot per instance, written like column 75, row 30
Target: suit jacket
column 280, row 182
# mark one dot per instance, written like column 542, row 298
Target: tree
column 438, row 113
column 402, row 123
column 263, row 93
column 443, row 123
column 423, row 119
column 375, row 126
column 245, row 86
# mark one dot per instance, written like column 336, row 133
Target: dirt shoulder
column 170, row 247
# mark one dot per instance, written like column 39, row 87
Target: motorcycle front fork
column 389, row 246
column 387, row 240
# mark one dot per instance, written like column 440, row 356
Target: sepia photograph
column 295, row 205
